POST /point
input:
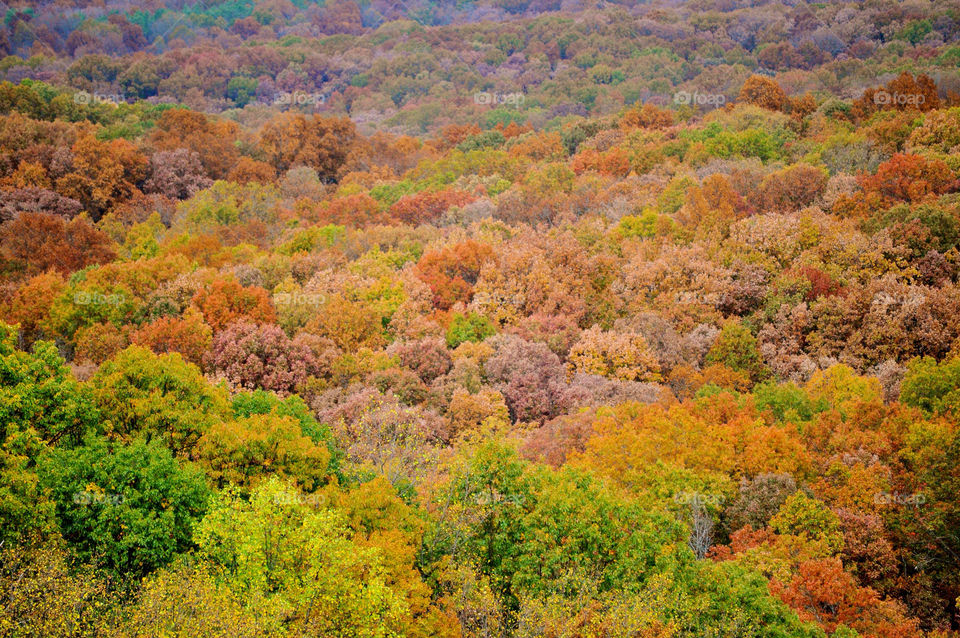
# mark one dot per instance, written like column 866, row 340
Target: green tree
column 736, row 348
column 128, row 508
column 933, row 387
column 536, row 533
column 470, row 327
column 727, row 599
column 38, row 392
column 278, row 544
column 41, row 404
column 157, row 396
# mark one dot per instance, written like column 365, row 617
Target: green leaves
column 279, row 544
column 736, row 348
column 128, row 508
column 933, row 387
column 37, row 392
column 157, row 396
column 810, row 519
column 470, row 327
column 536, row 532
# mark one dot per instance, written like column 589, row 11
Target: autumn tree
column 451, row 272
column 646, row 116
column 319, row 142
column 37, row 200
column 909, row 178
column 530, row 377
column 189, row 336
column 249, row 170
column 176, row 174
column 102, row 174
column 426, row 206
column 43, row 242
column 619, row 355
column 30, row 305
column 226, row 301
column 792, row 188
column 46, row 595
column 822, row 591
column 904, row 92
column 763, row 92
column 252, row 356
column 212, row 140
column 187, row 599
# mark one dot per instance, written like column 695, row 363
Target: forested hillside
column 480, row 319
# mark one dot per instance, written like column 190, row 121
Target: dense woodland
column 480, row 319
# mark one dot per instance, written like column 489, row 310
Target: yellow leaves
column 343, row 569
column 859, row 487
column 624, row 356
column 842, row 388
column 244, row 451
column 469, row 413
column 477, row 352
column 700, row 436
column 769, row 448
column 539, row 146
column 44, row 596
column 27, row 175
column 351, row 324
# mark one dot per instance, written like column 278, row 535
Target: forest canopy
column 487, row 319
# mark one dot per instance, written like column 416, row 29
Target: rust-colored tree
column 763, row 92
column 452, row 272
column 823, row 592
column 226, row 301
column 213, row 140
column 322, row 143
column 43, row 242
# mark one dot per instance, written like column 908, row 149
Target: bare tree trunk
column 701, row 530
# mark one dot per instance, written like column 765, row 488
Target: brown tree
column 763, row 92
column 321, row 143
column 212, row 140
column 44, row 242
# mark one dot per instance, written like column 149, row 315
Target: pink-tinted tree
column 530, row 377
column 252, row 356
column 428, row 357
column 176, row 174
